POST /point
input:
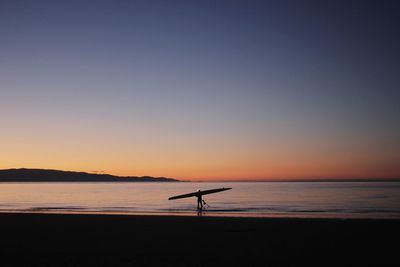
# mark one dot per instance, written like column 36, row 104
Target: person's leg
column 198, row 203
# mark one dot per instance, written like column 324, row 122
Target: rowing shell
column 200, row 193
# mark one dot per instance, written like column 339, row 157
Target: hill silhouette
column 43, row 175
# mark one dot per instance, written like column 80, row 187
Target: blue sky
column 202, row 89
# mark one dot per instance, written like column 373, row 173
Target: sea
column 378, row 200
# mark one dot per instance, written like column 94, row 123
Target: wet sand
column 118, row 240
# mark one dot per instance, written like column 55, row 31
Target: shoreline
column 292, row 215
column 148, row 240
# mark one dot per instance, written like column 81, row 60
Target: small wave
column 55, row 208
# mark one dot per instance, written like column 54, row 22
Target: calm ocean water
column 293, row 199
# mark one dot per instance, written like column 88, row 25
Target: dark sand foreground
column 116, row 240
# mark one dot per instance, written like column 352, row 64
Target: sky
column 202, row 90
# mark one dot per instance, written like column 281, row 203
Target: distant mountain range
column 42, row 175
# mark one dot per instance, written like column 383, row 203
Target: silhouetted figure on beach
column 199, row 194
column 199, row 202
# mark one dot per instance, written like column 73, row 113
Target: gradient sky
column 202, row 89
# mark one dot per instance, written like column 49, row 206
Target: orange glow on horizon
column 242, row 173
column 191, row 158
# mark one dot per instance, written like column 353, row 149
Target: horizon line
column 390, row 179
column 289, row 179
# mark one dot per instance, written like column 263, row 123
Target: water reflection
column 370, row 199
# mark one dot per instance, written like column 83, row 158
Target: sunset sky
column 204, row 90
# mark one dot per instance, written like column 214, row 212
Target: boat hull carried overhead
column 200, row 193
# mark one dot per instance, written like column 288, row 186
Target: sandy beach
column 117, row 240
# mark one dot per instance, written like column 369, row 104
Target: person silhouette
column 200, row 202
